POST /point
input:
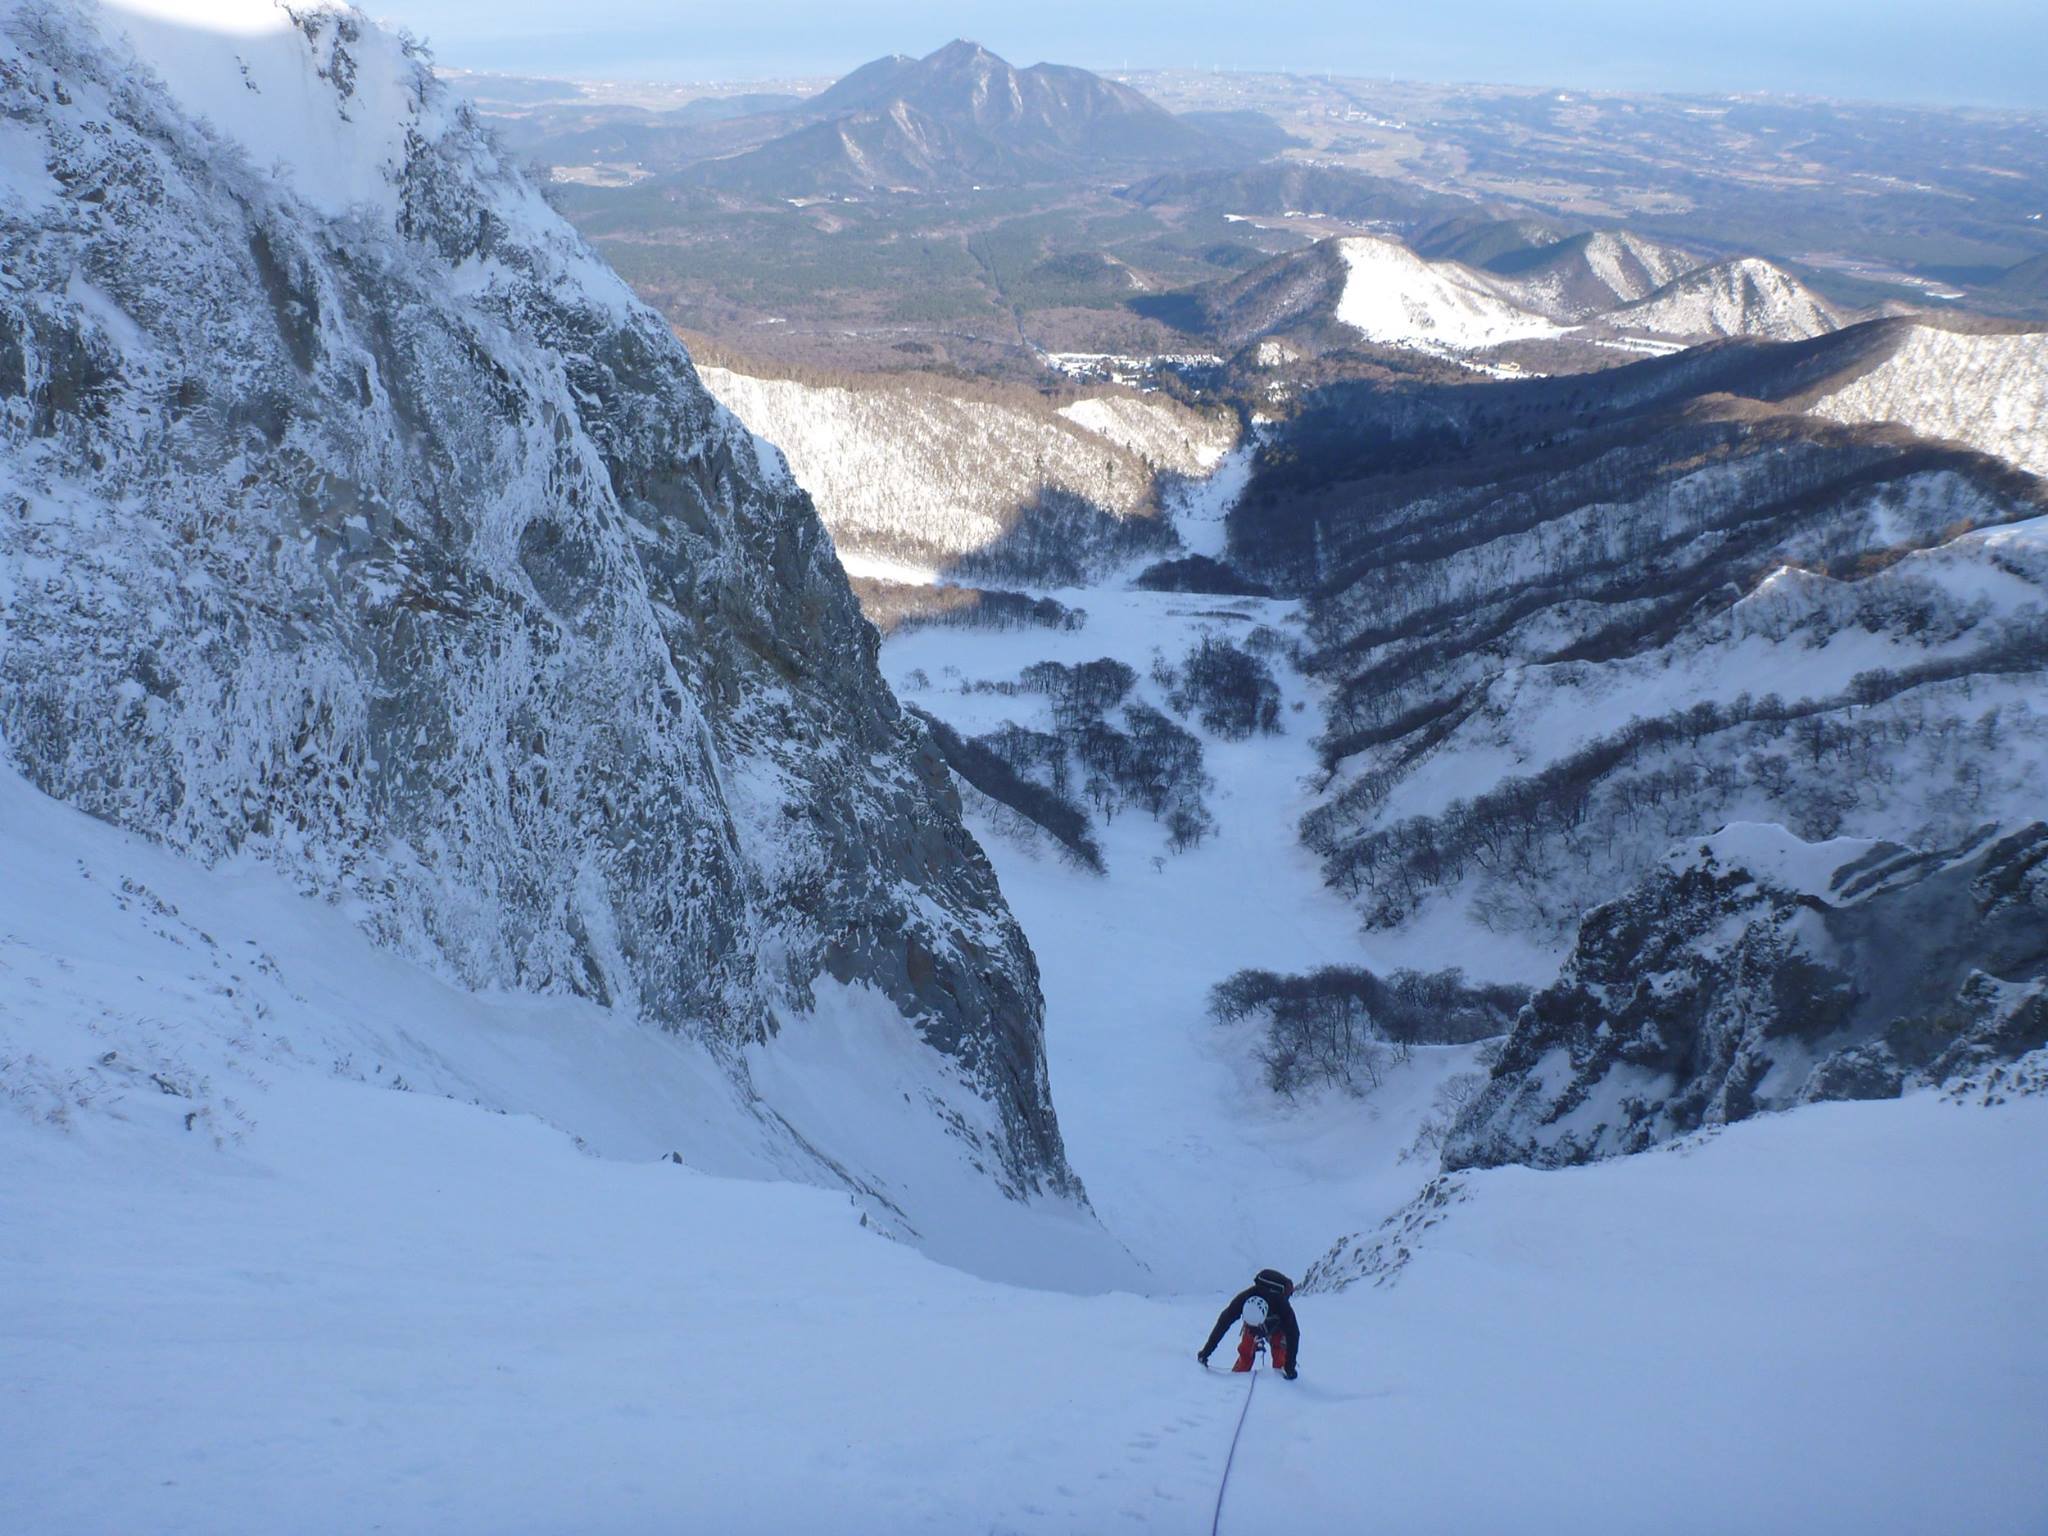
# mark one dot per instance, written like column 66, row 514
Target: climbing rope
column 1216, row 1522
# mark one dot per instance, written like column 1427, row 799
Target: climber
column 1267, row 1316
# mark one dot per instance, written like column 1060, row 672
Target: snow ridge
column 1395, row 297
column 1987, row 390
column 1749, row 297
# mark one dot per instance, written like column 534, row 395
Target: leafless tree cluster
column 1230, row 690
column 1813, row 761
column 987, row 770
column 1344, row 1026
column 1147, row 759
column 898, row 607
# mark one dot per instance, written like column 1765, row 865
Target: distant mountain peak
column 962, row 114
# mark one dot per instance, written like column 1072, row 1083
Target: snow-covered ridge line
column 1745, row 297
column 1985, row 388
column 1595, row 290
column 1395, row 297
column 909, row 473
column 360, row 520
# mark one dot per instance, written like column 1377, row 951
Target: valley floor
column 1186, row 1154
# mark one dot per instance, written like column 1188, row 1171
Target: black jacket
column 1273, row 1288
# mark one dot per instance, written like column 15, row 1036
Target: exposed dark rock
column 1712, row 992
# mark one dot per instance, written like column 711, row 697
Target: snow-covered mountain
column 1749, row 297
column 1394, row 297
column 1591, row 272
column 915, row 477
column 1564, row 274
column 1365, row 288
column 359, row 522
column 1586, row 289
column 1984, row 387
column 464, row 869
column 1571, row 622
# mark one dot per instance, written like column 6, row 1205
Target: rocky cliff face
column 1758, row 972
column 354, row 517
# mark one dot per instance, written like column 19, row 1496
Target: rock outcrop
column 1758, row 972
column 354, row 516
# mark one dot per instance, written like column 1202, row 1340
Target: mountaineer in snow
column 1267, row 1315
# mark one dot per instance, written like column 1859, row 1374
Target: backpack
column 1272, row 1285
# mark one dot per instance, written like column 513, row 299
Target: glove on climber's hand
column 1288, row 1373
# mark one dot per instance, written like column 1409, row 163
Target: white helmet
column 1255, row 1312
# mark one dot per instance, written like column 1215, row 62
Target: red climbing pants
column 1248, row 1350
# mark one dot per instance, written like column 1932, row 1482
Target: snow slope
column 1629, row 266
column 246, row 67
column 1186, row 1148
column 917, row 475
column 1811, row 1322
column 362, row 1309
column 1748, row 297
column 481, row 1301
column 1163, row 433
column 1989, row 391
column 1395, row 297
column 1809, row 637
column 137, row 988
column 1585, row 275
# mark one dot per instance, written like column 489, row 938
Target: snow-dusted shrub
column 1230, row 690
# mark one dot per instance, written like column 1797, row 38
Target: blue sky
column 1993, row 52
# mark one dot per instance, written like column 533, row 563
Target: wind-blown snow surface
column 1987, row 390
column 331, row 1305
column 1395, row 297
